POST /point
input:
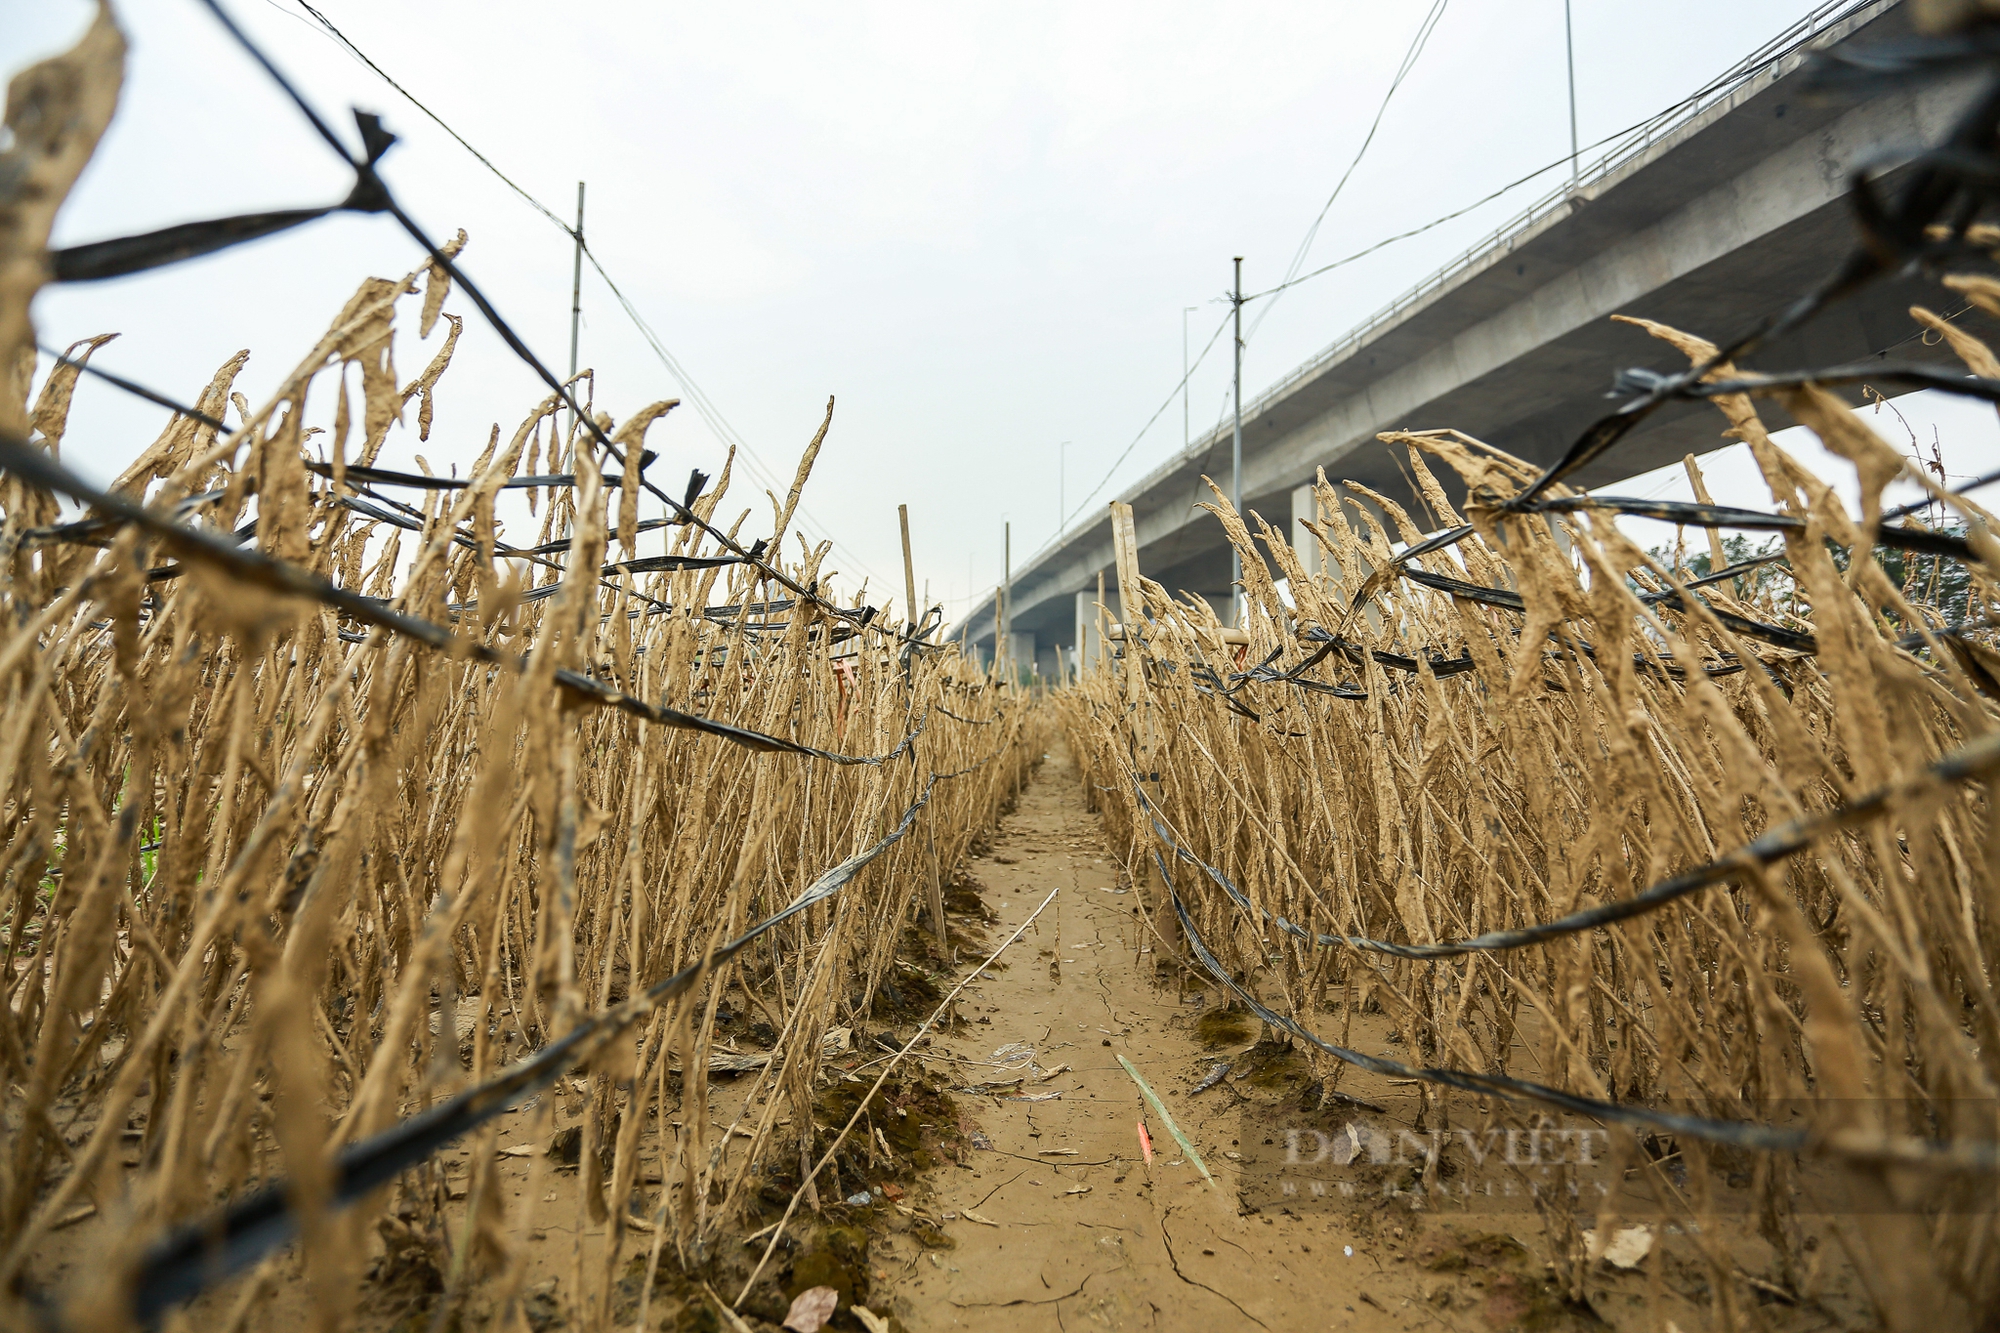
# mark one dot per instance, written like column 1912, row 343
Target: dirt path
column 1053, row 1220
column 1058, row 1223
column 1087, row 1234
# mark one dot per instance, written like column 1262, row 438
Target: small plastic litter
column 1627, row 1248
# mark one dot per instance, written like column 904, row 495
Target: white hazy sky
column 976, row 226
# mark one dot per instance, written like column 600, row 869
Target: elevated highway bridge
column 1718, row 212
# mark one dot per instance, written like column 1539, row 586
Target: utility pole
column 1187, row 439
column 1236, row 455
column 1062, row 478
column 1007, row 595
column 1569, row 46
column 576, row 288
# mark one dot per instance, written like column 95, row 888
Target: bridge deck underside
column 1711, row 229
column 1536, row 407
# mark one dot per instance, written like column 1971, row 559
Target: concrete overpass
column 1707, row 218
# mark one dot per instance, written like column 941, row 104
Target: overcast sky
column 976, row 226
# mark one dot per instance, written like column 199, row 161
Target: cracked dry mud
column 1085, row 1235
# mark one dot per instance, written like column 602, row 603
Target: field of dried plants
column 1716, row 870
column 279, row 880
column 380, row 880
column 336, row 821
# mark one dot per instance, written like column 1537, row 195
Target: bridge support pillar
column 1089, row 650
column 1021, row 649
column 1304, row 544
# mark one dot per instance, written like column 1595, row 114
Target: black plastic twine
column 189, row 240
column 377, row 141
column 1979, row 759
column 274, row 575
column 194, row 1257
column 1976, row 1155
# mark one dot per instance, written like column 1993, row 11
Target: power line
column 1409, row 62
column 1758, row 60
column 1813, row 24
column 1432, row 225
column 411, row 97
column 1157, row 412
column 1410, row 58
column 703, row 405
column 375, row 141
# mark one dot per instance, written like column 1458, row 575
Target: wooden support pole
column 1145, row 738
column 1718, row 559
column 912, row 613
column 1132, row 619
column 1103, row 658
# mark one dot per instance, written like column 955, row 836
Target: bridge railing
column 1775, row 58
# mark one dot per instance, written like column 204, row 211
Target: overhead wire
column 1150, row 422
column 703, row 405
column 1736, row 74
column 1410, row 58
column 1743, row 70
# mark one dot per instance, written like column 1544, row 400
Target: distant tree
column 1938, row 583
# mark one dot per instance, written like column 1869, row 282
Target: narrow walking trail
column 1057, row 1220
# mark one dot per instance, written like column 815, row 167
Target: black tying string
column 170, row 245
column 274, row 575
column 362, row 478
column 1978, row 759
column 133, row 254
column 1981, row 1156
column 377, row 140
column 196, row 1256
column 190, row 240
column 1950, row 183
column 376, row 476
column 1918, row 540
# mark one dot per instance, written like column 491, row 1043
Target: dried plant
column 305, row 832
column 1539, row 721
